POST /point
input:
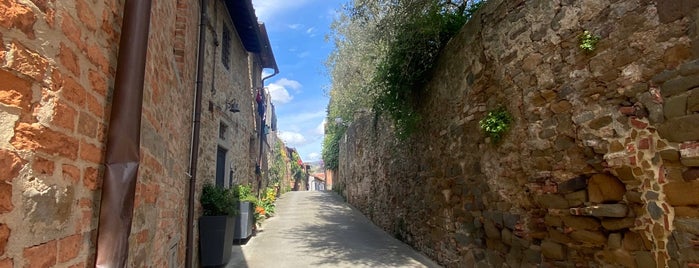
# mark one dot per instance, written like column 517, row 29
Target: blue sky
column 297, row 31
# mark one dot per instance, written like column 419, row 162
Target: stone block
column 686, row 212
column 680, row 129
column 614, row 241
column 693, row 101
column 689, row 154
column 589, row 237
column 634, row 197
column 680, row 193
column 553, row 250
column 670, row 154
column 572, row 185
column 605, row 188
column 687, row 225
column 633, row 241
column 581, row 223
column 644, row 259
column 690, row 174
column 675, row 106
column 600, row 122
column 551, row 201
column 679, row 85
column 576, row 198
column 618, row 224
column 43, row 255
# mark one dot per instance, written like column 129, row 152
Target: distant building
column 316, row 182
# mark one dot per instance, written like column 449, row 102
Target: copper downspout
column 194, row 157
column 123, row 140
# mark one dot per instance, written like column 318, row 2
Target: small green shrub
column 588, row 41
column 218, row 201
column 496, row 123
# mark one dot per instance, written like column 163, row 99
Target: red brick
column 41, row 4
column 43, row 166
column 142, row 236
column 28, row 62
column 90, row 152
column 638, row 123
column 4, row 236
column 71, row 31
column 43, row 255
column 87, row 125
column 15, row 91
column 96, row 55
column 628, row 110
column 71, row 173
column 94, row 106
column 79, row 265
column 64, row 116
column 92, row 178
column 69, row 59
column 6, row 263
column 5, row 197
column 73, row 91
column 16, row 15
column 37, row 137
column 69, row 247
column 56, row 80
column 644, row 144
column 151, row 193
column 11, row 163
column 86, row 16
column 97, row 82
column 85, row 203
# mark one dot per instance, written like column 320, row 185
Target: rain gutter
column 123, row 139
column 196, row 129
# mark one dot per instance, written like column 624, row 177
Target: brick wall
column 600, row 165
column 57, row 64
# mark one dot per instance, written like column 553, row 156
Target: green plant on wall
column 588, row 41
column 496, row 123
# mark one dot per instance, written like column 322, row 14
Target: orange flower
column 260, row 210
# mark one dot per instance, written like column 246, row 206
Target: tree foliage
column 384, row 54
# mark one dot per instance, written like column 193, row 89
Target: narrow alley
column 318, row 229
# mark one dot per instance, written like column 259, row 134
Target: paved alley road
column 317, row 229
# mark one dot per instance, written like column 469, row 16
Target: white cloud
column 320, row 129
column 295, row 26
column 313, row 156
column 292, row 138
column 310, row 30
column 304, row 54
column 279, row 90
column 267, row 9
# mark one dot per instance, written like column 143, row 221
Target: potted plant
column 217, row 225
column 245, row 220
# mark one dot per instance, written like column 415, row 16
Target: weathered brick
column 4, row 236
column 97, row 82
column 69, row 247
column 43, row 255
column 40, row 138
column 73, row 91
column 15, row 91
column 86, row 15
column 96, row 54
column 5, row 197
column 90, row 152
column 6, row 263
column 70, row 173
column 28, row 62
column 95, row 106
column 17, row 15
column 91, row 180
column 69, row 59
column 72, row 32
column 12, row 163
column 64, row 116
column 43, row 166
column 87, row 125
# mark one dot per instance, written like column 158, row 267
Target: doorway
column 221, row 166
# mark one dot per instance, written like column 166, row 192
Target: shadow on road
column 344, row 237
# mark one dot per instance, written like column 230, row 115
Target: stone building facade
column 57, row 67
column 599, row 168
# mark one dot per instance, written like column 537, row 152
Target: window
column 226, row 47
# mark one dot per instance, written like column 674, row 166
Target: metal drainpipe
column 262, row 134
column 123, row 140
column 194, row 150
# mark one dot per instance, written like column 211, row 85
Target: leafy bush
column 588, row 41
column 496, row 123
column 218, row 201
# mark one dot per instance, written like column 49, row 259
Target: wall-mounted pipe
column 196, row 129
column 124, row 138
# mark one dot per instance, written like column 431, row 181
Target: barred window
column 226, row 47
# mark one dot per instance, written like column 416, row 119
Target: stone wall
column 57, row 67
column 600, row 166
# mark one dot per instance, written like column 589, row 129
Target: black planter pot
column 244, row 221
column 215, row 234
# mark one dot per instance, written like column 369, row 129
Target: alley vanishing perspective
column 318, row 229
